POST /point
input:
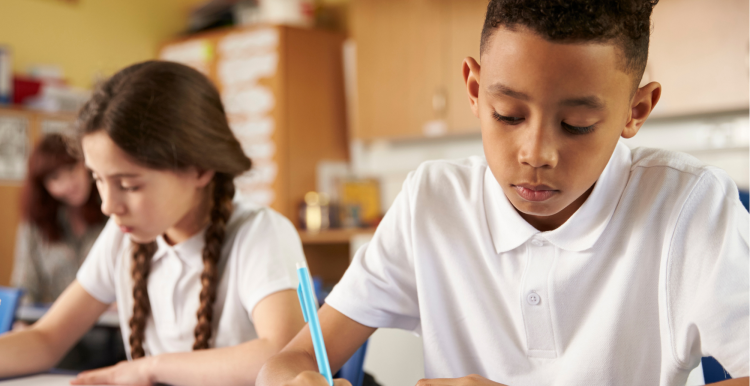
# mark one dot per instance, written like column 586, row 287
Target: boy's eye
column 577, row 129
column 504, row 119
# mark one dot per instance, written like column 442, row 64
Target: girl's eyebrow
column 117, row 175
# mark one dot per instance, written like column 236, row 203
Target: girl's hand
column 469, row 380
column 313, row 378
column 137, row 372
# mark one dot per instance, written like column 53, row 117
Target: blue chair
column 712, row 371
column 353, row 370
column 9, row 301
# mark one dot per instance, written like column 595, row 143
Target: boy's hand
column 469, row 380
column 313, row 378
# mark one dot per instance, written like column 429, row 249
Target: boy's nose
column 537, row 149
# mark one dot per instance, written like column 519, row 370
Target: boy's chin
column 537, row 209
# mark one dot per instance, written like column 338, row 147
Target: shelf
column 333, row 236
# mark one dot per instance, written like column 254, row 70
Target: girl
column 188, row 268
column 61, row 221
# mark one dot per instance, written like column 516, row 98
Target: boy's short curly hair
column 623, row 22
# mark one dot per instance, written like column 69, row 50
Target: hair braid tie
column 221, row 210
column 141, row 306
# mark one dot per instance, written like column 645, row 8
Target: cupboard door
column 699, row 54
column 399, row 66
column 465, row 29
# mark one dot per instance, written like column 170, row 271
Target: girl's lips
column 125, row 229
column 530, row 194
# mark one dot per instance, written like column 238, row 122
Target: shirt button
column 533, row 298
column 537, row 243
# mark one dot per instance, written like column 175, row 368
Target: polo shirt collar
column 189, row 251
column 509, row 230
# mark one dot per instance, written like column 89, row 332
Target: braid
column 141, row 306
column 221, row 209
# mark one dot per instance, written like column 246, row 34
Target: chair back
column 9, row 301
column 354, row 369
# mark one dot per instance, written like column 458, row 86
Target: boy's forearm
column 284, row 367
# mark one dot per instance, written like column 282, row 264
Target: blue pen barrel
column 310, row 313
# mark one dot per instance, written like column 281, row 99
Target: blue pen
column 310, row 313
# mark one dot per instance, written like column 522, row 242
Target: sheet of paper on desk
column 40, row 380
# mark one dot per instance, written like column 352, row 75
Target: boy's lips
column 531, row 192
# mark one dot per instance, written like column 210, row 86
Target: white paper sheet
column 257, row 101
column 248, row 43
column 14, row 147
column 258, row 150
column 261, row 174
column 247, row 70
column 253, row 128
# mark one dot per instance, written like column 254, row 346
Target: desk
column 40, row 380
column 32, row 313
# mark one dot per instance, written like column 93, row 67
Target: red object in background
column 24, row 88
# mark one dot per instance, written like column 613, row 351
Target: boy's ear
column 644, row 101
column 471, row 78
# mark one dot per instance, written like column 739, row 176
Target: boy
column 563, row 258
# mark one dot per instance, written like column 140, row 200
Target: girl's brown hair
column 168, row 116
column 38, row 207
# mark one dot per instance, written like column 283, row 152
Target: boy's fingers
column 341, row 382
column 469, row 380
column 437, row 381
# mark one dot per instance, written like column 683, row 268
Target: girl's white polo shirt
column 259, row 256
column 650, row 274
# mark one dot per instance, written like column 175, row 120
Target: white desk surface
column 40, row 380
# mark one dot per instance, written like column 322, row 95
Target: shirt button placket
column 535, row 303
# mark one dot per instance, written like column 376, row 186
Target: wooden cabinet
column 283, row 92
column 699, row 54
column 19, row 131
column 409, row 56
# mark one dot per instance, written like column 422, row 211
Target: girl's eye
column 129, row 188
column 577, row 129
column 504, row 119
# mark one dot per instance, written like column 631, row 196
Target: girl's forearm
column 235, row 365
column 26, row 352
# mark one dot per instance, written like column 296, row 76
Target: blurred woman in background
column 61, row 219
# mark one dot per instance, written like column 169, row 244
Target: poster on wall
column 14, row 147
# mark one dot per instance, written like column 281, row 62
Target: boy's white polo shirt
column 650, row 274
column 259, row 257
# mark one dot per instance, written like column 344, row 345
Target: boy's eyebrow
column 499, row 88
column 591, row 102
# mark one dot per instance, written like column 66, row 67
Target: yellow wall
column 88, row 38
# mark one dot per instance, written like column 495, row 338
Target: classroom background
column 336, row 101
